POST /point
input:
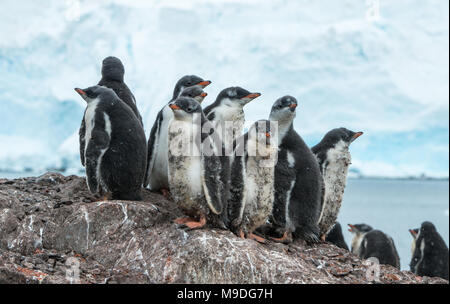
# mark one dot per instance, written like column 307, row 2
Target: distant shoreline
column 14, row 175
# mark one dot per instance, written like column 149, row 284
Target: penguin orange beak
column 267, row 135
column 203, row 94
column 413, row 233
column 204, row 84
column 351, row 227
column 174, row 107
column 80, row 91
column 252, row 96
column 357, row 134
column 293, row 105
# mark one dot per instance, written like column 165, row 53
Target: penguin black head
column 359, row 228
column 184, row 108
column 284, row 108
column 195, row 92
column 414, row 232
column 427, row 228
column 113, row 69
column 94, row 92
column 236, row 96
column 333, row 137
column 189, row 81
column 261, row 130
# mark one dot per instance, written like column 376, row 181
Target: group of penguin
column 200, row 159
column 429, row 252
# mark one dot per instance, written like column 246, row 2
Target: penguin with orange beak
column 298, row 182
column 252, row 179
column 334, row 158
column 194, row 166
column 156, row 177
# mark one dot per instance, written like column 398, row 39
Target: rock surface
column 50, row 225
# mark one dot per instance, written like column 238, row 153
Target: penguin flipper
column 236, row 202
column 82, row 133
column 212, row 182
column 96, row 147
column 152, row 143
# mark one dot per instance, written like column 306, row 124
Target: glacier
column 387, row 76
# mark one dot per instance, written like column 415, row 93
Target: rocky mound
column 52, row 230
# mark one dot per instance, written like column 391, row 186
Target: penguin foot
column 183, row 220
column 166, row 193
column 286, row 238
column 257, row 238
column 195, row 225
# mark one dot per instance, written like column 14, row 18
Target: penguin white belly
column 259, row 195
column 356, row 243
column 159, row 176
column 335, row 178
column 229, row 122
column 184, row 171
column 89, row 120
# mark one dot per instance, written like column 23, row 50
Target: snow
column 387, row 76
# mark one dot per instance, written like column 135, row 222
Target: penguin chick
column 368, row 242
column 115, row 150
column 113, row 73
column 156, row 174
column 298, row 181
column 252, row 180
column 336, row 237
column 195, row 92
column 227, row 113
column 334, row 159
column 193, row 175
column 430, row 257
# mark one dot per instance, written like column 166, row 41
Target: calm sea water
column 393, row 206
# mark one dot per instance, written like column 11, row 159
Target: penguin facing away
column 193, row 174
column 334, row 158
column 298, row 181
column 368, row 242
column 252, row 178
column 113, row 73
column 116, row 148
column 430, row 256
column 156, row 176
column 336, row 237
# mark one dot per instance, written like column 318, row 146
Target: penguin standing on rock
column 156, row 174
column 335, row 237
column 334, row 159
column 193, row 166
column 430, row 253
column 298, row 182
column 113, row 73
column 368, row 242
column 252, row 179
column 116, row 148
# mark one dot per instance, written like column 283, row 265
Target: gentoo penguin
column 334, row 159
column 414, row 233
column 113, row 73
column 430, row 256
column 193, row 166
column 298, row 182
column 156, row 174
column 368, row 242
column 335, row 237
column 116, row 148
column 252, row 180
column 227, row 114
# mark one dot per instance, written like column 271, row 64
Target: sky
column 375, row 66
